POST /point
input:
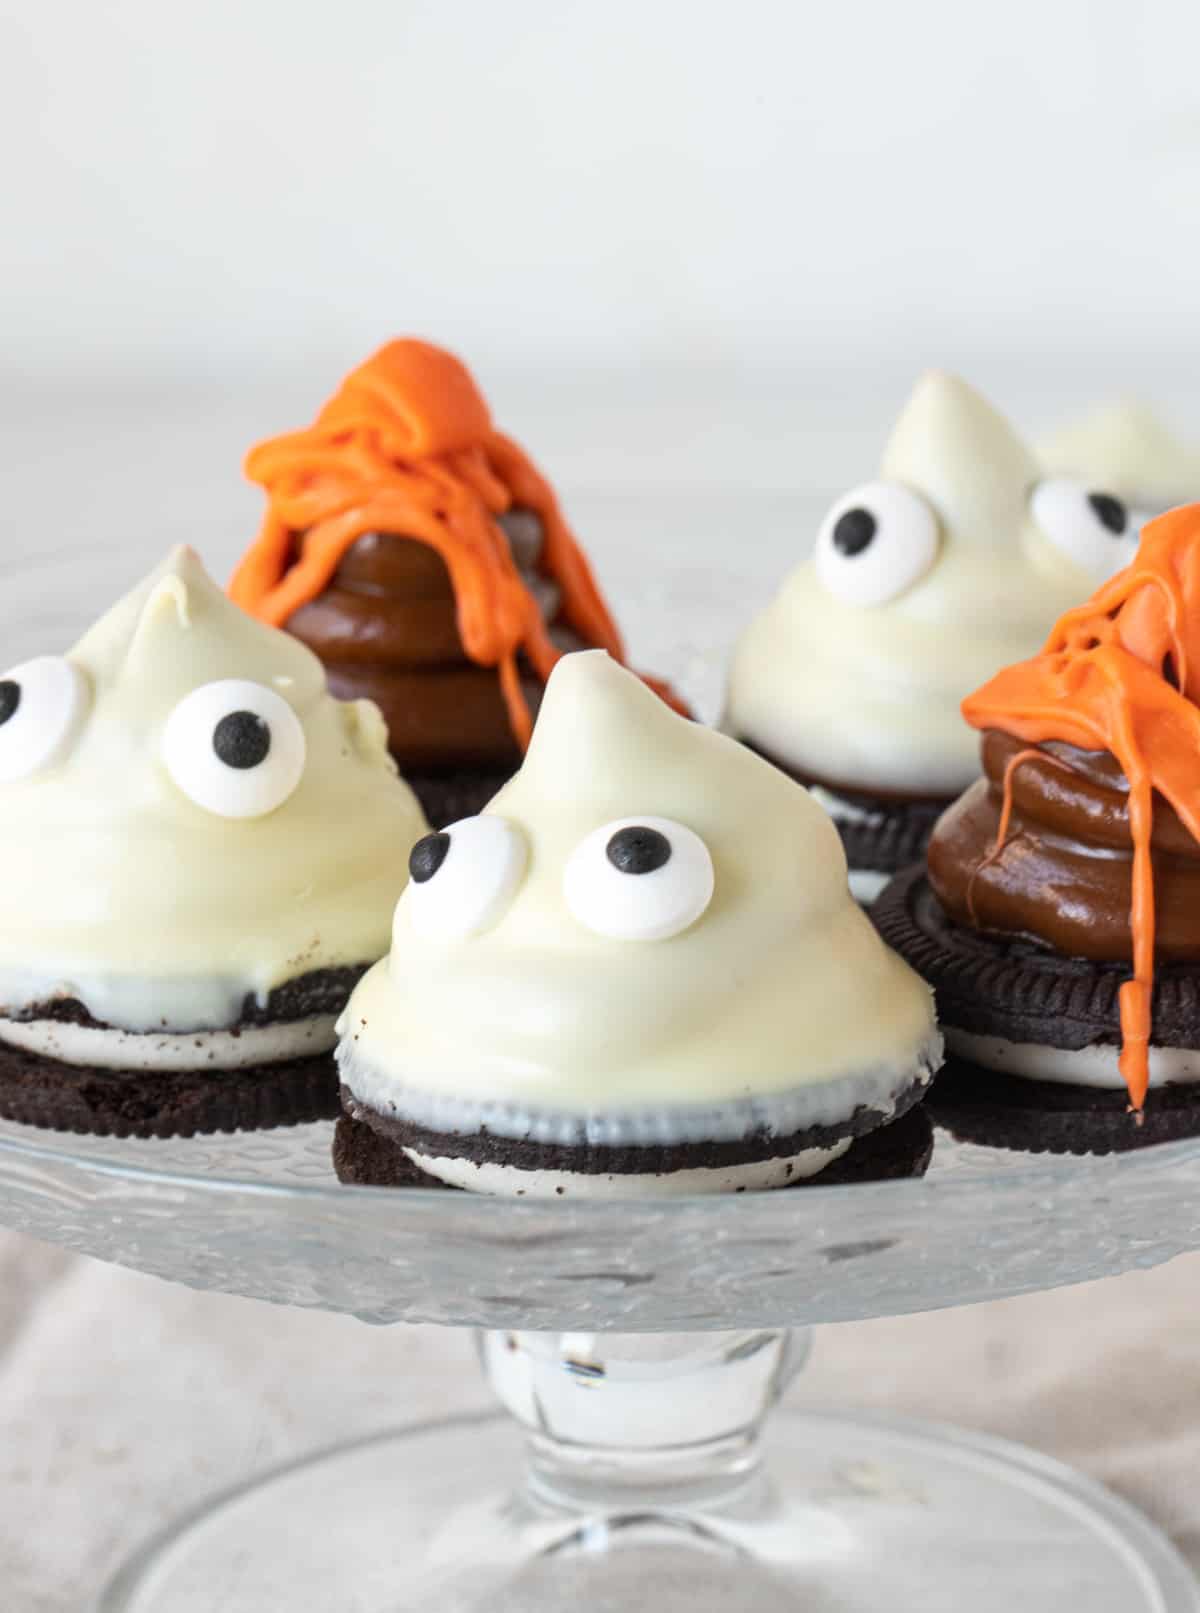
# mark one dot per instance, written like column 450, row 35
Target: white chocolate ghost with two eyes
column 1126, row 448
column 645, row 941
column 955, row 562
column 188, row 817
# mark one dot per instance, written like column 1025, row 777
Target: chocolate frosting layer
column 1064, row 876
column 386, row 629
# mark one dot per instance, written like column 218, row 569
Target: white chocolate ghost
column 956, row 561
column 151, row 878
column 646, row 937
column 1126, row 448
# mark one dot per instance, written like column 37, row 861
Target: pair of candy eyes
column 234, row 747
column 881, row 539
column 635, row 879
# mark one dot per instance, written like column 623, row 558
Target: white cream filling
column 866, row 884
column 511, row 1181
column 112, row 1049
column 842, row 811
column 1094, row 1066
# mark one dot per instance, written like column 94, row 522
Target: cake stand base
column 844, row 1513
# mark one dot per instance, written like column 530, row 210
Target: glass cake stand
column 637, row 1348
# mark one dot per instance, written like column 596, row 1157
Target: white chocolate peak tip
column 952, row 446
column 177, row 613
column 599, row 723
column 589, row 687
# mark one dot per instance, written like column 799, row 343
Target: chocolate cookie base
column 994, row 985
column 447, row 797
column 894, row 833
column 978, row 1105
column 999, row 986
column 366, row 1155
column 164, row 1103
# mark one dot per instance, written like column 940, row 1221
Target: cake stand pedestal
column 638, row 1349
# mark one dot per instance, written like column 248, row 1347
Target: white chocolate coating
column 1126, row 449
column 780, row 999
column 159, row 915
column 868, row 696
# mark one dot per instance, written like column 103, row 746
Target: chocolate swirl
column 386, row 629
column 1063, row 878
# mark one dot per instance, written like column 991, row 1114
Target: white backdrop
column 768, row 183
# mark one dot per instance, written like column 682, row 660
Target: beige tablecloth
column 123, row 1400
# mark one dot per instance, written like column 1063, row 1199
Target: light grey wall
column 269, row 183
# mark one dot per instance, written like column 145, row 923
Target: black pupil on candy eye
column 10, row 699
column 241, row 740
column 427, row 856
column 853, row 531
column 638, row 850
column 1110, row 512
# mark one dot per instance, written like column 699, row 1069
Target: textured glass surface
column 262, row 1214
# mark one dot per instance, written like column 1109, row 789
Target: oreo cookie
column 1017, row 991
column 39, row 1090
column 978, row 1105
column 369, row 1150
column 890, row 835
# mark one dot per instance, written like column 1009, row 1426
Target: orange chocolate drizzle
column 1122, row 674
column 407, row 446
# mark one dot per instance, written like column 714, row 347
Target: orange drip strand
column 1100, row 683
column 407, row 446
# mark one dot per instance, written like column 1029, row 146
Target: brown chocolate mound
column 363, row 1157
column 1064, row 875
column 386, row 629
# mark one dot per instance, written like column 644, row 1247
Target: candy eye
column 639, row 879
column 875, row 543
column 1094, row 529
column 463, row 877
column 42, row 703
column 235, row 748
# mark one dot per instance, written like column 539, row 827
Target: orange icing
column 407, row 446
column 1122, row 674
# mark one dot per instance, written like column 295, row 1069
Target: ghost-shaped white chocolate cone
column 645, row 939
column 189, row 817
column 922, row 583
